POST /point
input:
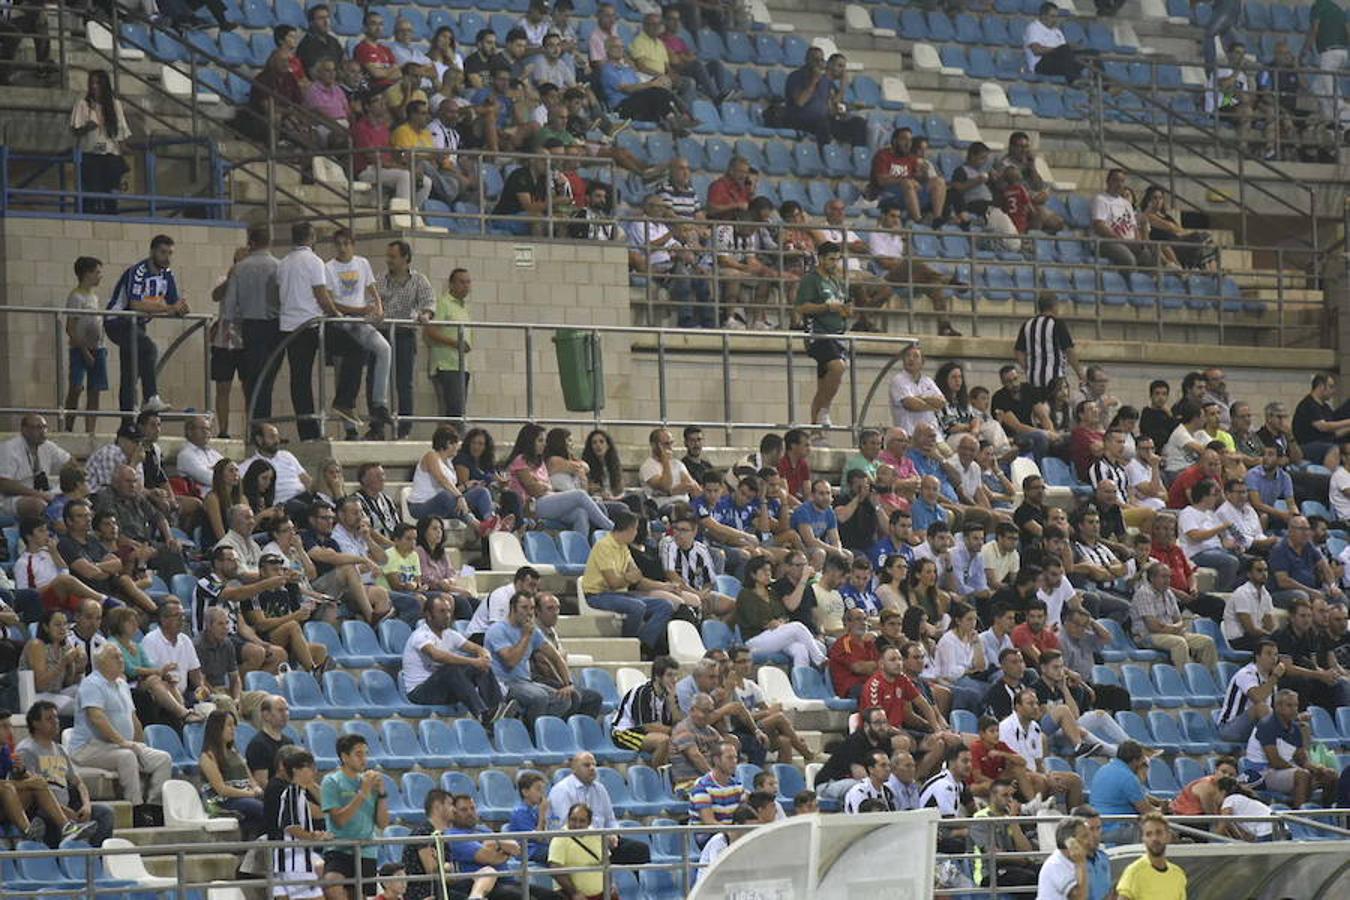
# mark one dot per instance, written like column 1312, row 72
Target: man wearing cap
column 125, row 449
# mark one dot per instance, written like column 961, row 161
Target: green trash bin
column 581, row 369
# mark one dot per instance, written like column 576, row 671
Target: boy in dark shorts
column 822, row 303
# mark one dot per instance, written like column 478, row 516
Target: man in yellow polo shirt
column 415, row 134
column 1151, row 876
column 613, row 582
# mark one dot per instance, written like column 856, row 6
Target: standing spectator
column 814, row 94
column 1326, row 35
column 1064, row 876
column 100, row 127
column 442, row 667
column 151, row 289
column 1156, row 621
column 448, row 345
column 289, row 808
column 1115, row 224
column 355, row 294
column 1047, row 49
column 42, row 754
column 823, row 302
column 108, row 735
column 25, row 18
column 1045, row 349
column 407, row 294
column 355, row 803
column 84, row 335
column 302, row 282
column 250, row 296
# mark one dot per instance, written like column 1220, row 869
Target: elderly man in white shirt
column 915, row 398
column 1205, row 538
column 196, row 460
column 30, row 466
column 1243, row 519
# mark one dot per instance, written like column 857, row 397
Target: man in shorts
column 822, row 303
column 88, row 355
column 354, row 801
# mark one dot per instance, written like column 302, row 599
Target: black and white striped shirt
column 863, row 791
column 1105, row 470
column 694, row 565
column 942, row 792
column 1098, row 555
column 1235, row 701
column 1046, row 342
column 286, row 805
column 642, row 705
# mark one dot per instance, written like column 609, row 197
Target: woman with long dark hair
column 601, row 454
column 566, row 472
column 100, row 127
column 530, row 481
column 476, row 466
column 1181, row 247
column 436, row 490
column 225, row 493
column 259, row 486
column 439, row 572
column 958, row 416
column 226, row 779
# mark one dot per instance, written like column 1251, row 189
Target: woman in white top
column 959, row 659
column 436, row 492
column 100, row 128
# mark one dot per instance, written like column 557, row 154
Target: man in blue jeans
column 513, row 642
column 149, row 288
column 613, row 582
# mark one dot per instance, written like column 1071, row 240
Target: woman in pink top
column 530, row 480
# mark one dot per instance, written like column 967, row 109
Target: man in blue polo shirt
column 149, row 288
column 1098, row 863
column 1269, row 483
column 816, row 523
column 896, row 541
column 476, row 856
column 1277, row 755
column 1118, row 789
column 1299, row 569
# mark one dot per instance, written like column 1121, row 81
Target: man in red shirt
column 898, row 173
column 730, row 193
column 377, row 59
column 853, row 658
column 793, row 465
column 889, row 689
column 1032, row 637
column 1209, row 465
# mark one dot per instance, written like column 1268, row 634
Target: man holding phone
column 278, row 613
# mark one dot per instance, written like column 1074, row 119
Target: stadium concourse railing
column 86, row 868
column 668, row 343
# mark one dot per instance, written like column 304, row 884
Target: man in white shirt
column 1056, row 592
column 665, row 477
column 1064, row 875
column 302, row 283
column 1205, row 538
column 168, row 644
column 29, row 468
column 889, row 260
column 498, row 603
column 873, row 787
column 1243, row 520
column 441, row 667
column 1021, row 731
column 291, row 480
column 648, row 237
column 1116, row 223
column 196, row 460
column 239, row 537
column 1249, row 612
column 1144, row 474
column 915, row 398
column 352, row 282
column 1339, row 493
column 1047, row 50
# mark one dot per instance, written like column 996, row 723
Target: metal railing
column 88, row 865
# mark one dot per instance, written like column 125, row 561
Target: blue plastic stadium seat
column 589, row 735
column 360, row 640
column 914, row 25
column 264, row 681
column 376, row 749
column 1135, row 726
column 809, row 684
column 381, row 693
column 394, row 633
column 1172, row 692
column 1167, row 734
column 162, row 737
column 619, row 792
column 954, row 56
column 477, row 749
column 1162, row 781
column 1200, row 684
column 439, row 739
column 344, row 697
column 323, row 633
column 602, row 682
column 1226, row 652
column 940, row 27
column 399, row 735
column 541, row 549
column 1137, row 682
column 321, row 739
column 1199, row 727
column 980, row 63
column 511, row 739
column 1324, row 728
column 303, row 695
column 288, row 12
column 416, row 786
column 1120, row 642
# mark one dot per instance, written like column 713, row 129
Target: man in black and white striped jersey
column 1044, row 347
column 1247, row 699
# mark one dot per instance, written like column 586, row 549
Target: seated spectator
column 1019, row 156
column 484, row 59
column 959, row 659
column 715, row 794
column 436, row 490
column 441, row 668
column 377, row 60
column 854, row 657
column 1157, row 622
column 583, row 786
column 769, row 719
column 1243, row 521
column 221, row 587
column 430, row 857
column 764, row 622
column 1277, row 755
column 875, row 787
column 694, row 742
column 645, row 716
column 531, row 191
column 226, row 777
column 1247, row 698
column 899, row 175
column 271, row 103
column 815, row 94
column 155, row 679
column 613, row 582
column 1311, row 668
column 107, row 736
column 215, row 651
column 41, row 569
column 1021, row 731
column 29, row 465
column 1249, row 612
column 1205, row 538
column 406, row 51
column 326, row 97
column 74, row 485
column 421, row 153
column 1181, row 247
column 372, row 131
column 277, row 613
column 1116, row 224
column 1301, row 572
column 710, row 77
column 626, row 94
column 57, row 665
column 1048, row 51
column 512, row 643
column 224, row 495
column 1165, row 549
column 43, row 756
column 319, row 41
column 1004, row 839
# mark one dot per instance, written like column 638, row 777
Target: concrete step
column 197, row 867
column 164, row 835
column 609, row 649
column 588, row 627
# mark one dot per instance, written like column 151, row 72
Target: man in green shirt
column 822, row 302
column 452, row 384
column 1326, row 35
column 353, row 798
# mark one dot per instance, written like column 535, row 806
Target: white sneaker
column 735, row 320
column 154, row 404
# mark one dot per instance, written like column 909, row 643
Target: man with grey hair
column 1064, row 876
column 108, row 735
column 693, row 742
column 731, row 716
column 1277, row 754
column 196, row 459
column 240, row 538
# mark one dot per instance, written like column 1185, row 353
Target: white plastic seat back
column 628, row 678
column 686, row 645
column 131, row 867
column 183, row 808
column 773, row 681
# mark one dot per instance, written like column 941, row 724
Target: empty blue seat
column 913, row 24
column 167, row 48
column 1121, row 643
column 806, row 160
column 360, row 640
column 1137, row 682
column 303, row 695
column 768, row 50
column 381, row 693
column 541, row 549
column 1167, row 734
column 1162, row 781
column 416, row 786
column 954, row 56
column 619, row 792
column 258, row 14
column 1201, row 687
column 980, row 63
column 1188, row 770
column 1199, row 728
column 1324, row 728
column 439, row 739
column 1135, row 726
column 735, row 119
column 344, row 698
column 651, row 789
column 323, row 633
column 791, row 781
column 288, row 12
column 1171, row 690
column 394, row 634
column 994, row 31
column 809, row 684
column 602, row 682
column 940, row 28
column 263, row 681
column 321, row 739
column 476, row 749
column 1087, row 767
column 588, row 735
column 511, row 739
column 1226, row 652
column 162, row 737
column 399, row 736
column 718, row 154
